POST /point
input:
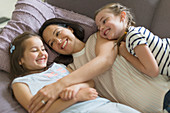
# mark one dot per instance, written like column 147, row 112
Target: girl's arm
column 105, row 56
column 23, row 95
column 71, row 91
column 144, row 62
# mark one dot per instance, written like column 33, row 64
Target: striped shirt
column 159, row 47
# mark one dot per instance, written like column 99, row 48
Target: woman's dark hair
column 78, row 32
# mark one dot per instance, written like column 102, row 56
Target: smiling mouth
column 41, row 60
column 106, row 31
column 64, row 44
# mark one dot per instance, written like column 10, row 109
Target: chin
column 42, row 66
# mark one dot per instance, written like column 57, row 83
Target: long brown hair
column 16, row 52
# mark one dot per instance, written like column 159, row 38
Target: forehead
column 34, row 40
column 102, row 13
column 49, row 31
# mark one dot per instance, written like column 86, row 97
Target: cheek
column 55, row 49
column 102, row 35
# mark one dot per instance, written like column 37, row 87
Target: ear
column 20, row 62
column 70, row 29
column 123, row 15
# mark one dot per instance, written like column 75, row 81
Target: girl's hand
column 122, row 49
column 46, row 96
column 86, row 94
column 70, row 92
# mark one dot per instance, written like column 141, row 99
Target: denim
column 167, row 102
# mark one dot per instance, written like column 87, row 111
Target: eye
column 43, row 49
column 51, row 44
column 34, row 50
column 57, row 33
column 104, row 21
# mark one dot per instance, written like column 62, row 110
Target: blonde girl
column 145, row 51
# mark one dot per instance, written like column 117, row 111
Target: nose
column 59, row 40
column 41, row 52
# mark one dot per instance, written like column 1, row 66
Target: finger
column 48, row 104
column 70, row 94
column 33, row 99
column 35, row 103
column 65, row 95
column 62, row 95
column 74, row 94
column 38, row 106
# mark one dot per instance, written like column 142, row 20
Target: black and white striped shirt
column 159, row 47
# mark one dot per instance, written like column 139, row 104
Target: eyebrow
column 55, row 31
column 101, row 19
column 53, row 34
column 48, row 41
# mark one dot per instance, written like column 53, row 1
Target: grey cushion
column 29, row 15
column 142, row 9
column 161, row 20
column 7, row 102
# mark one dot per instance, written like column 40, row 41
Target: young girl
column 28, row 59
column 146, row 51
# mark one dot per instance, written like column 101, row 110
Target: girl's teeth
column 64, row 44
column 106, row 32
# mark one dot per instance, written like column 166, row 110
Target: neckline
column 79, row 53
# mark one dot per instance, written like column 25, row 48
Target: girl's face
column 109, row 25
column 61, row 39
column 35, row 56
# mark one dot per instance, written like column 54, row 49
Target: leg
column 112, row 107
column 166, row 105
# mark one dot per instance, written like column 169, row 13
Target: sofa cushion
column 29, row 15
column 142, row 9
column 7, row 102
column 161, row 20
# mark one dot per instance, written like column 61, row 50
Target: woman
column 121, row 82
column 29, row 73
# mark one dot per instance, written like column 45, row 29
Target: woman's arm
column 144, row 62
column 105, row 56
column 23, row 95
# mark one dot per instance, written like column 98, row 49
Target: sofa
column 29, row 15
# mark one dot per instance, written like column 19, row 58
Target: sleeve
column 72, row 66
column 133, row 39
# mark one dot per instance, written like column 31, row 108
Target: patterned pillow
column 29, row 15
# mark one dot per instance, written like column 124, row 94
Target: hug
column 114, row 77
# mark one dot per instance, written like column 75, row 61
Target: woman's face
column 109, row 25
column 60, row 39
column 35, row 56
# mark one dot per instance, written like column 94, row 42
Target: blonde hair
column 117, row 8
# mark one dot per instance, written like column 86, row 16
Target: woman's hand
column 122, row 49
column 46, row 96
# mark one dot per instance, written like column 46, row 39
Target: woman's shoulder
column 94, row 35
